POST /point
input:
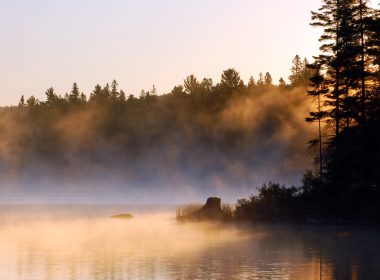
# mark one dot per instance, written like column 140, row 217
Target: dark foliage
column 274, row 203
column 345, row 82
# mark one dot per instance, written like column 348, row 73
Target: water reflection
column 153, row 246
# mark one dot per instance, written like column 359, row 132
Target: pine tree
column 296, row 70
column 334, row 18
column 282, row 83
column 260, row 81
column 191, row 84
column 206, row 86
column 22, row 101
column 345, row 85
column 251, row 82
column 231, row 79
column 122, row 95
column 75, row 95
column 32, row 102
column 153, row 91
column 374, row 51
column 178, row 91
column 106, row 93
column 307, row 72
column 51, row 96
column 97, row 93
column 318, row 89
column 268, row 79
column 114, row 91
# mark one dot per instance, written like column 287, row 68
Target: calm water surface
column 82, row 242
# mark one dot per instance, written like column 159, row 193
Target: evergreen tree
column 362, row 18
column 191, row 84
column 97, row 93
column 32, row 102
column 74, row 96
column 333, row 18
column 106, row 93
column 178, row 91
column 347, row 59
column 296, row 71
column 22, row 101
column 260, row 81
column 318, row 89
column 344, row 82
column 231, row 80
column 51, row 96
column 374, row 51
column 251, row 82
column 153, row 91
column 268, row 79
column 122, row 95
column 206, row 86
column 307, row 72
column 114, row 91
column 83, row 98
column 144, row 94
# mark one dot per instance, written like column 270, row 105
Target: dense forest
column 227, row 132
column 200, row 134
column 346, row 86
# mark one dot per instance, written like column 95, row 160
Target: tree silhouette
column 268, row 81
column 282, row 83
column 22, row 101
column 260, row 81
column 231, row 79
column 178, row 91
column 32, row 102
column 191, row 84
column 296, row 71
column 251, row 82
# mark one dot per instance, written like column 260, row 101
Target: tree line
column 230, row 83
column 191, row 135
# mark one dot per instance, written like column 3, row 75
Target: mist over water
column 169, row 150
column 82, row 242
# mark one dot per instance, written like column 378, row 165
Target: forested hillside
column 200, row 134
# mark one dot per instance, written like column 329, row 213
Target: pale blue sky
column 144, row 42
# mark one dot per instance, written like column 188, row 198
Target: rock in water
column 122, row 216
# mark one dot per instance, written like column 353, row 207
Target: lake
column 82, row 242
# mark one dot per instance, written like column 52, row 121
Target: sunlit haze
column 198, row 139
column 141, row 43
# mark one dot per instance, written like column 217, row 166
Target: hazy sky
column 144, row 42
